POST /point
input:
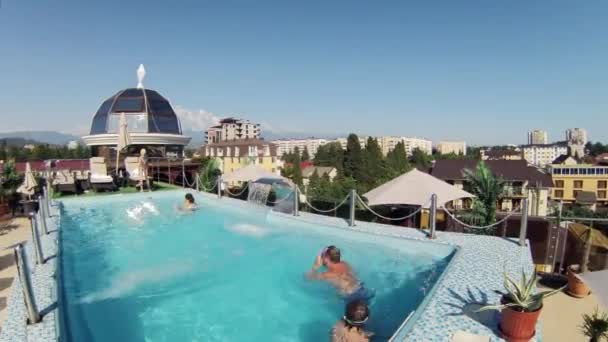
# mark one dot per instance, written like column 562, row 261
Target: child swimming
column 351, row 327
column 189, row 204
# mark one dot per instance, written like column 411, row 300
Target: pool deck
column 472, row 279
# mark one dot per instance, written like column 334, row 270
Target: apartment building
column 501, row 154
column 235, row 154
column 232, row 129
column 289, row 145
column 456, row 147
column 522, row 181
column 571, row 181
column 412, row 143
column 542, row 155
column 537, row 137
column 576, row 136
column 344, row 141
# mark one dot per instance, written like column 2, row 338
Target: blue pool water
column 223, row 273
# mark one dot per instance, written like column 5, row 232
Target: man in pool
column 351, row 328
column 339, row 274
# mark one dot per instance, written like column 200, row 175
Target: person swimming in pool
column 351, row 327
column 339, row 274
column 189, row 203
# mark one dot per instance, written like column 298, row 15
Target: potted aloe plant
column 520, row 307
column 595, row 326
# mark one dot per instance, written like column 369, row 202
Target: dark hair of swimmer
column 190, row 198
column 356, row 313
column 333, row 253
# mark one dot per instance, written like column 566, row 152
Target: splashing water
column 258, row 193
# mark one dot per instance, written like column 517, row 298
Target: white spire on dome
column 141, row 73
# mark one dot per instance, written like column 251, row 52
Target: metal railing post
column 352, row 199
column 433, row 216
column 296, row 201
column 33, row 315
column 36, row 239
column 41, row 221
column 183, row 173
column 198, row 186
column 523, row 228
column 559, row 227
column 219, row 186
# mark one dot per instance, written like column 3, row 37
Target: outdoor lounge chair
column 98, row 176
column 132, row 167
column 64, row 181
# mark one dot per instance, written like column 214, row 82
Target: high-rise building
column 289, row 145
column 232, row 129
column 537, row 137
column 344, row 141
column 456, row 147
column 576, row 136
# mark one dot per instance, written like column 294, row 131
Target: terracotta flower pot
column 518, row 326
column 576, row 287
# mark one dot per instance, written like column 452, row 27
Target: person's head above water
column 356, row 313
column 190, row 198
column 331, row 254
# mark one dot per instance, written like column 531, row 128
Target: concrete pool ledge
column 471, row 279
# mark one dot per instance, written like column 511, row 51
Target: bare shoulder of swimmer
column 341, row 333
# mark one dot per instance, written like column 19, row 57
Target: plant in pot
column 595, row 326
column 576, row 286
column 520, row 307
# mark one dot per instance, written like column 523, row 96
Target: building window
column 578, row 184
column 601, row 171
column 583, row 171
column 601, row 194
column 559, row 183
column 557, row 171
column 574, row 171
column 261, row 160
column 590, row 171
column 602, row 184
column 559, row 193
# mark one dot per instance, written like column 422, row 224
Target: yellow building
column 570, row 180
column 235, row 154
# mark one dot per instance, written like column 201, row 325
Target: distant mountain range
column 37, row 137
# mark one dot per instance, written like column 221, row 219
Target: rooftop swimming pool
column 134, row 269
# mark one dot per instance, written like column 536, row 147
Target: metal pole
column 198, row 186
column 565, row 233
column 169, row 168
column 42, row 223
column 47, row 195
column 33, row 315
column 36, row 239
column 433, row 216
column 219, row 186
column 183, row 174
column 296, row 201
column 587, row 251
column 523, row 228
column 351, row 216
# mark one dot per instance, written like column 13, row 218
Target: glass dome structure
column 146, row 111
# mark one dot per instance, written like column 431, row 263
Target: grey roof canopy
column 146, row 110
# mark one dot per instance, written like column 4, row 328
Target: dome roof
column 145, row 109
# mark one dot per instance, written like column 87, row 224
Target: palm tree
column 487, row 188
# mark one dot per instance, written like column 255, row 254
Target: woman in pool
column 189, row 203
column 351, row 327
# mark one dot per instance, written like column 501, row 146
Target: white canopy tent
column 29, row 183
column 249, row 173
column 598, row 282
column 415, row 188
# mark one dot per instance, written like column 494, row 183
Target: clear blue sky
column 482, row 71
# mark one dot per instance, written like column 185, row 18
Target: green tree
column 353, row 157
column 296, row 175
column 305, row 155
column 3, row 150
column 396, row 161
column 373, row 172
column 330, row 154
column 421, row 160
column 487, row 188
column 209, row 170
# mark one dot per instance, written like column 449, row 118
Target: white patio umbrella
column 29, row 183
column 124, row 139
column 598, row 282
column 415, row 188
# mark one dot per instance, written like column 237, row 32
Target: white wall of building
column 456, row 147
column 289, row 145
column 541, row 155
column 537, row 136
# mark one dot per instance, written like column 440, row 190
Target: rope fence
column 470, row 226
column 391, row 218
column 237, row 194
column 324, row 211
